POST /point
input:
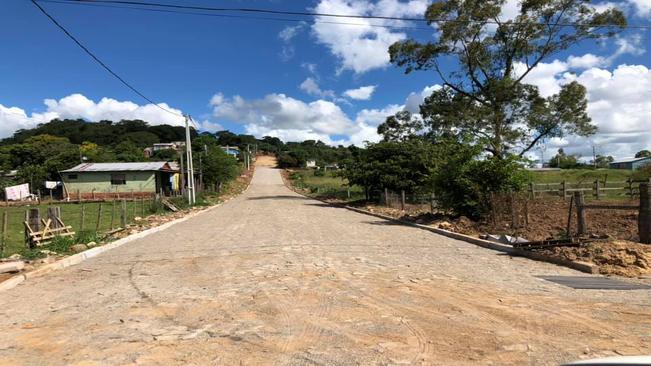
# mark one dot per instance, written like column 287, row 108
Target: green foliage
column 128, row 151
column 392, row 165
column 643, row 154
column 564, row 161
column 643, row 173
column 603, row 161
column 463, row 183
column 484, row 97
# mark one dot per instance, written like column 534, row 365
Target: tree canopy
column 485, row 96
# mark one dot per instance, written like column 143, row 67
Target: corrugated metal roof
column 118, row 167
column 630, row 160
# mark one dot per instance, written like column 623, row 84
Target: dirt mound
column 622, row 258
column 266, row 160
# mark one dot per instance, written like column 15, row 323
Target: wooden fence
column 644, row 217
column 596, row 189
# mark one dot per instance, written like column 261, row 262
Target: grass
column 325, row 186
column 70, row 215
column 581, row 175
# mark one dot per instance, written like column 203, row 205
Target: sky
column 294, row 79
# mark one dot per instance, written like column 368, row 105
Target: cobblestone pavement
column 273, row 278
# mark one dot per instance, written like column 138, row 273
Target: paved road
column 274, row 278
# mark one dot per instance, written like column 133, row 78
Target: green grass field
column 326, row 186
column 581, row 175
column 71, row 215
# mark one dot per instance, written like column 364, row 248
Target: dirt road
column 273, row 278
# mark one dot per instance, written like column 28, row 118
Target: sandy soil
column 274, row 278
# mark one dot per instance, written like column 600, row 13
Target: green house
column 111, row 180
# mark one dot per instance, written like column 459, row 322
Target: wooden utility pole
column 188, row 151
column 579, row 201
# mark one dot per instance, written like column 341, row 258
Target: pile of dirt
column 621, row 258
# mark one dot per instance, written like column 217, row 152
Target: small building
column 176, row 146
column 631, row 163
column 110, row 180
column 310, row 164
column 232, row 151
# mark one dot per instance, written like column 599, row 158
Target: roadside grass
column 581, row 175
column 325, row 186
column 70, row 215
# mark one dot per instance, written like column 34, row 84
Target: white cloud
column 586, row 61
column 362, row 93
column 287, row 35
column 643, row 7
column 619, row 103
column 78, row 106
column 363, row 47
column 414, row 100
column 311, row 87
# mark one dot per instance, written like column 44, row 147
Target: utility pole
column 594, row 156
column 188, row 154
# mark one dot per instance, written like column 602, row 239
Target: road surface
column 273, row 278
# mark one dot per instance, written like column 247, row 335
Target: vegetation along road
column 272, row 277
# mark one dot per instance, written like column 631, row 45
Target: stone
column 77, row 248
column 10, row 267
column 47, row 252
column 15, row 256
column 91, row 244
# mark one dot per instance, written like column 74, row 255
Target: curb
column 93, row 252
column 579, row 266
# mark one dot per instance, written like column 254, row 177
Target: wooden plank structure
column 51, row 227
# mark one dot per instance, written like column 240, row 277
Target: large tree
column 484, row 95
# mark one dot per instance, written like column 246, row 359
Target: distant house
column 310, row 164
column 231, row 150
column 104, row 180
column 630, row 164
column 176, row 145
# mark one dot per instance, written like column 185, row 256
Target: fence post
column 644, row 218
column 386, row 197
column 402, row 200
column 348, row 192
column 579, row 200
column 34, row 221
column 564, row 189
column 82, row 214
column 630, row 187
column 597, row 190
column 54, row 215
column 123, row 214
column 431, row 202
column 92, row 192
column 99, row 217
column 3, row 245
column 514, row 213
column 112, row 214
column 532, row 190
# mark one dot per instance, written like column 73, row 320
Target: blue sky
column 294, row 80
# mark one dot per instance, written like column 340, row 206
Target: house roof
column 119, row 167
column 630, row 160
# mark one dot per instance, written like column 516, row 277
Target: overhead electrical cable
column 104, row 65
column 332, row 15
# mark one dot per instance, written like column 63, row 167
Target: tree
column 603, row 161
column 128, row 151
column 564, row 161
column 643, row 154
column 485, row 97
column 400, row 127
column 217, row 166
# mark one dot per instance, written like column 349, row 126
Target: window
column 118, row 179
column 72, row 176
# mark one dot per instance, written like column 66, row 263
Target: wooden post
column 579, row 200
column 630, row 187
column 402, row 200
column 112, row 214
column 54, row 215
column 82, row 217
column 38, row 196
column 51, row 196
column 532, row 190
column 93, row 193
column 78, row 196
column 564, row 189
column 431, row 202
column 569, row 218
column 142, row 207
column 597, row 190
column 3, row 245
column 123, row 214
column 135, row 208
column 33, row 218
column 386, row 197
column 514, row 213
column 99, row 218
column 348, row 192
column 644, row 218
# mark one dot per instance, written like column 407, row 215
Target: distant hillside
column 103, row 133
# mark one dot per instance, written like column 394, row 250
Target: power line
column 92, row 55
column 317, row 14
column 231, row 15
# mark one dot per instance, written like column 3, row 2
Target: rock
column 77, row 248
column 137, row 218
column 445, row 225
column 15, row 256
column 47, row 252
column 91, row 244
column 10, row 267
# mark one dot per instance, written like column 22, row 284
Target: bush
column 463, row 184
